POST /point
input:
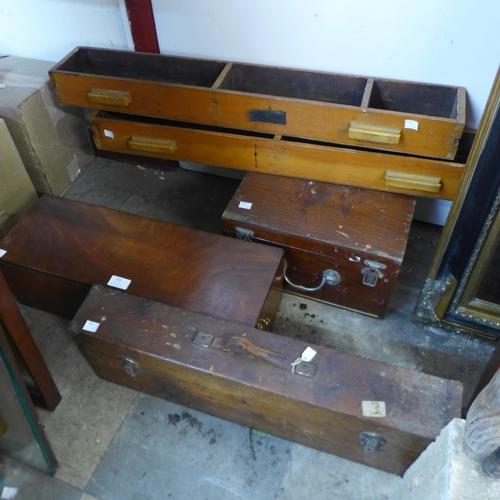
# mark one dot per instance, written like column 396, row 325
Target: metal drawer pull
column 374, row 133
column 329, row 277
column 152, row 145
column 110, row 97
column 429, row 183
column 243, row 345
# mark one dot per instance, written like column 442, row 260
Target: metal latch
column 371, row 441
column 244, row 234
column 371, row 273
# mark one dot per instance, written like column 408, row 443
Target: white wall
column 50, row 29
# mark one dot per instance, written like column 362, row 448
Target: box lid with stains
column 322, row 217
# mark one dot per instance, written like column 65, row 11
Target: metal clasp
column 371, row 441
column 371, row 273
column 243, row 233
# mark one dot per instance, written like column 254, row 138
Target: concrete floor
column 114, row 443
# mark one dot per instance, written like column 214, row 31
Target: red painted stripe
column 142, row 25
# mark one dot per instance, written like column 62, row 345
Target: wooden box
column 61, row 247
column 376, row 414
column 258, row 152
column 414, row 118
column 358, row 234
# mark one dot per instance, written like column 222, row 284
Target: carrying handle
column 374, row 133
column 241, row 344
column 152, row 145
column 329, row 277
column 109, row 97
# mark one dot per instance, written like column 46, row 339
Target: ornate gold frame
column 448, row 297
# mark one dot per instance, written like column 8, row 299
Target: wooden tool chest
column 415, row 118
column 61, row 247
column 376, row 414
column 343, row 245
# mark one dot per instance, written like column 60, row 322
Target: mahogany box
column 343, row 245
column 61, row 247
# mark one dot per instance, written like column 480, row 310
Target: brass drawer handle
column 329, row 277
column 429, row 183
column 374, row 133
column 152, row 145
column 109, row 97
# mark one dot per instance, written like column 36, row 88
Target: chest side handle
column 329, row 277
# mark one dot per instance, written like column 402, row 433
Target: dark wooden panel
column 43, row 390
column 324, row 412
column 75, row 243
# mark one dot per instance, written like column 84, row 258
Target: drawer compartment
column 295, row 84
column 356, row 236
column 278, row 155
column 404, row 97
column 424, row 120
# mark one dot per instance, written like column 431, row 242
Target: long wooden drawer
column 414, row 118
column 275, row 155
column 363, row 410
column 343, row 245
column 61, row 247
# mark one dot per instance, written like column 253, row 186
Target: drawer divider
column 222, row 76
column 365, row 102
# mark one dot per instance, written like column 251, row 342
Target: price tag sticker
column 119, row 282
column 108, row 133
column 2, row 252
column 411, row 124
column 245, row 204
column 90, row 326
column 373, row 408
column 308, row 354
column 8, row 493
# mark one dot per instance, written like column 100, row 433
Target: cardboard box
column 52, row 139
column 17, row 193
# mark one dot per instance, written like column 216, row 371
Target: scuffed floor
column 114, row 443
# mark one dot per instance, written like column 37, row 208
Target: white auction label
column 412, row 124
column 308, row 354
column 8, row 493
column 119, row 282
column 2, row 252
column 373, row 408
column 108, row 133
column 90, row 326
column 245, row 204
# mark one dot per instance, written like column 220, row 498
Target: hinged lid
column 322, row 217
